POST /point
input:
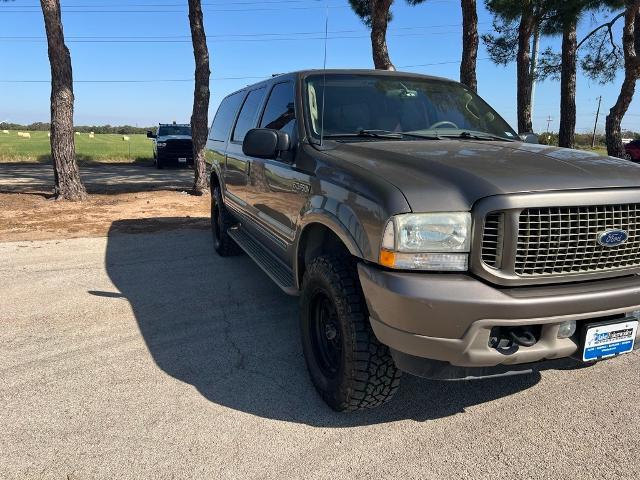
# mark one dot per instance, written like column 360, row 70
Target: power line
column 226, row 35
column 239, row 40
column 181, row 80
column 154, row 11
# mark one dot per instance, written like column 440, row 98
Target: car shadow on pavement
column 221, row 325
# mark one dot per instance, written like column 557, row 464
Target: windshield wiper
column 385, row 134
column 425, row 136
column 476, row 136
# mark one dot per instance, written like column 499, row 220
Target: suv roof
column 174, row 124
column 337, row 71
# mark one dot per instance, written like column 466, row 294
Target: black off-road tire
column 364, row 374
column 221, row 221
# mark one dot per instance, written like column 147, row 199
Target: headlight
column 427, row 241
column 162, row 144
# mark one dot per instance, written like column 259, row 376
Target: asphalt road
column 146, row 356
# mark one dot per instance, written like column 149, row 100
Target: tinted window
column 247, row 118
column 225, row 115
column 279, row 113
column 166, row 130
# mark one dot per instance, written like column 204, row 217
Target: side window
column 223, row 121
column 280, row 113
column 247, row 118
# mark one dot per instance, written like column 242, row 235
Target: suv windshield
column 167, row 130
column 360, row 103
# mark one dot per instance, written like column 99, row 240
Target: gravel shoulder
column 148, row 199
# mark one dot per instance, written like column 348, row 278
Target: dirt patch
column 34, row 217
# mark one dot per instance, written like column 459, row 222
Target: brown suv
column 420, row 232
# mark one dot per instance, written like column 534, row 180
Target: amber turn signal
column 387, row 258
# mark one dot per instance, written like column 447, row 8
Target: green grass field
column 101, row 148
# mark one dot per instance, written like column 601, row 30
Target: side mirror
column 150, row 134
column 265, row 143
column 529, row 137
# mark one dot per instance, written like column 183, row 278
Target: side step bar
column 272, row 266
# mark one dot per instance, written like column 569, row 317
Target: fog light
column 567, row 329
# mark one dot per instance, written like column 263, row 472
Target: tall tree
column 68, row 185
column 376, row 14
column 199, row 116
column 515, row 23
column 523, row 67
column 631, row 49
column 469, row 44
column 567, row 132
column 563, row 18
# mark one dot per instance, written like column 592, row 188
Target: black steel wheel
column 325, row 334
column 221, row 221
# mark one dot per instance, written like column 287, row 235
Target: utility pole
column 549, row 120
column 534, row 67
column 593, row 138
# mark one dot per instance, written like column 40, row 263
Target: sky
column 133, row 60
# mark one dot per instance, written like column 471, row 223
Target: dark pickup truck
column 421, row 233
column 172, row 145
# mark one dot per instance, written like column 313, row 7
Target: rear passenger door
column 236, row 174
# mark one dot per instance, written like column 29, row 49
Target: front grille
column 179, row 146
column 564, row 240
column 492, row 239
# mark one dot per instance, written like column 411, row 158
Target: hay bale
column 91, row 135
column 5, row 131
column 125, row 138
column 77, row 133
column 24, row 134
column 27, row 135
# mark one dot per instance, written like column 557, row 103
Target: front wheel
column 348, row 366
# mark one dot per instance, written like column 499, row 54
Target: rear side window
column 225, row 115
column 279, row 114
column 248, row 113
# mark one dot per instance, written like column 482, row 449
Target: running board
column 272, row 266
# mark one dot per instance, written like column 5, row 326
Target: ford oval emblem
column 612, row 238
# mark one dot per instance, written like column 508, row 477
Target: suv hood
column 451, row 175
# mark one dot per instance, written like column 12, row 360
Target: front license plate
column 182, row 160
column 609, row 340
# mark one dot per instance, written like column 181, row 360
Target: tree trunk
column 567, row 133
column 379, row 22
column 523, row 59
column 199, row 116
column 67, row 183
column 630, row 45
column 469, row 44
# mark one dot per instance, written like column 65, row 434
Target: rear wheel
column 628, row 156
column 221, row 221
column 348, row 366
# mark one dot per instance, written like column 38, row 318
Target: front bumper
column 448, row 317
